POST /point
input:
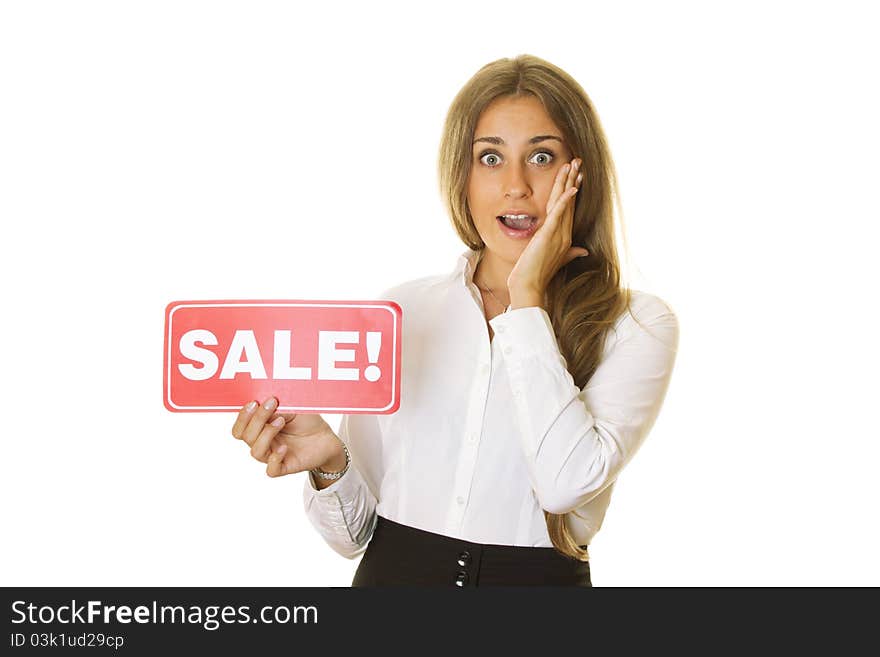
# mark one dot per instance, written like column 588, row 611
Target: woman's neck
column 492, row 273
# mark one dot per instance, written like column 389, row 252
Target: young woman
column 530, row 376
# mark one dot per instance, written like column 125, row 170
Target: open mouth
column 519, row 225
column 518, row 221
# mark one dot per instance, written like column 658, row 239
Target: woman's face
column 517, row 152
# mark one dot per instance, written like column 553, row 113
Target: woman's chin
column 507, row 253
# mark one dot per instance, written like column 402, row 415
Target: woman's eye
column 543, row 158
column 490, row 159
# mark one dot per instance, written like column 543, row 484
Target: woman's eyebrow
column 533, row 140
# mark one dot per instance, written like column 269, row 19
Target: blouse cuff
column 343, row 513
column 526, row 332
column 345, row 488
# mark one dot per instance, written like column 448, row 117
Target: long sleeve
column 577, row 441
column 344, row 513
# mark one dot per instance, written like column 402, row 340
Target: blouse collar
column 466, row 266
column 465, row 269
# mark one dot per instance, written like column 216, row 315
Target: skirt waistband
column 402, row 555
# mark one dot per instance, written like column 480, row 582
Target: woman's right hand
column 288, row 442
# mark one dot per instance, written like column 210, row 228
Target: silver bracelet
column 334, row 475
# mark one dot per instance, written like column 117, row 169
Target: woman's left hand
column 550, row 247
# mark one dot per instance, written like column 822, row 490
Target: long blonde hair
column 585, row 297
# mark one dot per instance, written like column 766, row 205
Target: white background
column 156, row 151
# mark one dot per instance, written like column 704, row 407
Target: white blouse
column 490, row 433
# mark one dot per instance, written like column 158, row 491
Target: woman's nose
column 515, row 182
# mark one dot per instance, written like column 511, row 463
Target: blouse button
column 461, row 579
column 508, row 350
column 459, row 499
column 464, row 558
column 501, row 329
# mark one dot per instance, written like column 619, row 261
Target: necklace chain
column 489, row 290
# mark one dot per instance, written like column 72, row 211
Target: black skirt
column 399, row 555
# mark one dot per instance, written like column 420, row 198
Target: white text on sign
column 243, row 356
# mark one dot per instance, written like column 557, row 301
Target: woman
column 499, row 465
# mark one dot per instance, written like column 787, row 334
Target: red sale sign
column 314, row 356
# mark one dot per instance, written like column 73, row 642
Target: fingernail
column 580, row 178
column 251, row 406
column 278, row 422
column 270, row 404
